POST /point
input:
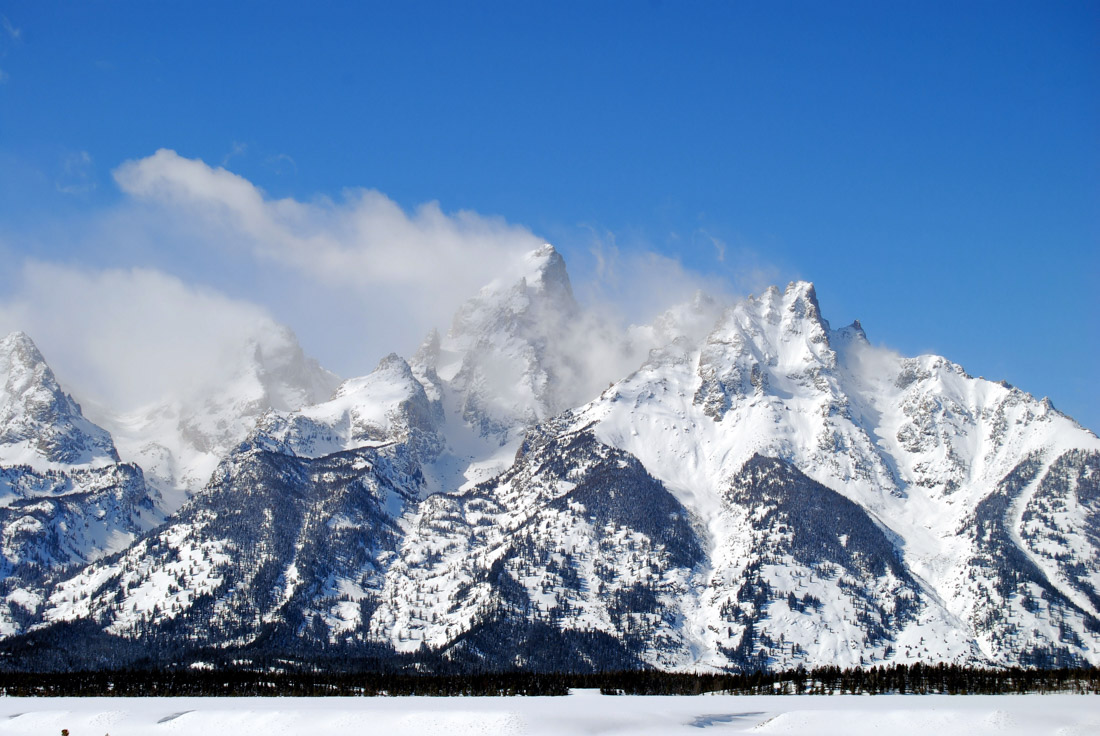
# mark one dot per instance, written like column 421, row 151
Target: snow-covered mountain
column 767, row 492
column 936, row 458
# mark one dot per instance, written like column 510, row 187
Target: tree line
column 893, row 679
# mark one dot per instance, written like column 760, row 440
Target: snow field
column 585, row 713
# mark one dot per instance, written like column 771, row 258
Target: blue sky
column 934, row 168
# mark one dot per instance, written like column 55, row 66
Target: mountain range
column 731, row 487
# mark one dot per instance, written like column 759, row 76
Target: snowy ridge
column 916, row 442
column 382, row 407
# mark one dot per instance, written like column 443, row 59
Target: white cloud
column 282, row 163
column 358, row 275
column 637, row 285
column 125, row 338
column 362, row 242
column 718, row 243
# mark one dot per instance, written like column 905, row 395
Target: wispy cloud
column 637, row 284
column 236, row 150
column 355, row 277
column 77, row 174
column 10, row 32
column 280, row 163
column 15, row 34
column 718, row 243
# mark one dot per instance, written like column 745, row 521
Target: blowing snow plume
column 372, row 266
column 362, row 265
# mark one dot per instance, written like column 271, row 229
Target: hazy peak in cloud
column 126, row 338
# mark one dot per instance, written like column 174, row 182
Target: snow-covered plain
column 584, row 712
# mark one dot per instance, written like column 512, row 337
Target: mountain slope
column 273, row 542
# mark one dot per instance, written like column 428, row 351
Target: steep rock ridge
column 1031, row 594
column 55, row 519
column 388, row 407
column 511, row 358
column 972, row 455
column 800, row 574
column 500, row 356
column 575, row 546
column 915, row 442
column 385, row 406
column 1060, row 527
column 765, row 381
column 777, row 350
column 277, row 547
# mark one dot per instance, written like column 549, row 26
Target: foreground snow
column 584, row 712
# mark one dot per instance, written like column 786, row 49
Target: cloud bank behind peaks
column 356, row 277
column 128, row 337
column 364, row 242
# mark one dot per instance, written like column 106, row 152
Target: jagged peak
column 539, row 271
column 546, row 250
column 795, row 310
column 538, row 282
column 281, row 375
column 544, row 270
column 702, row 300
column 390, row 367
column 426, row 357
column 17, row 337
column 19, row 345
column 803, row 293
column 393, row 363
column 853, row 333
column 25, row 367
column 393, row 377
column 39, row 422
